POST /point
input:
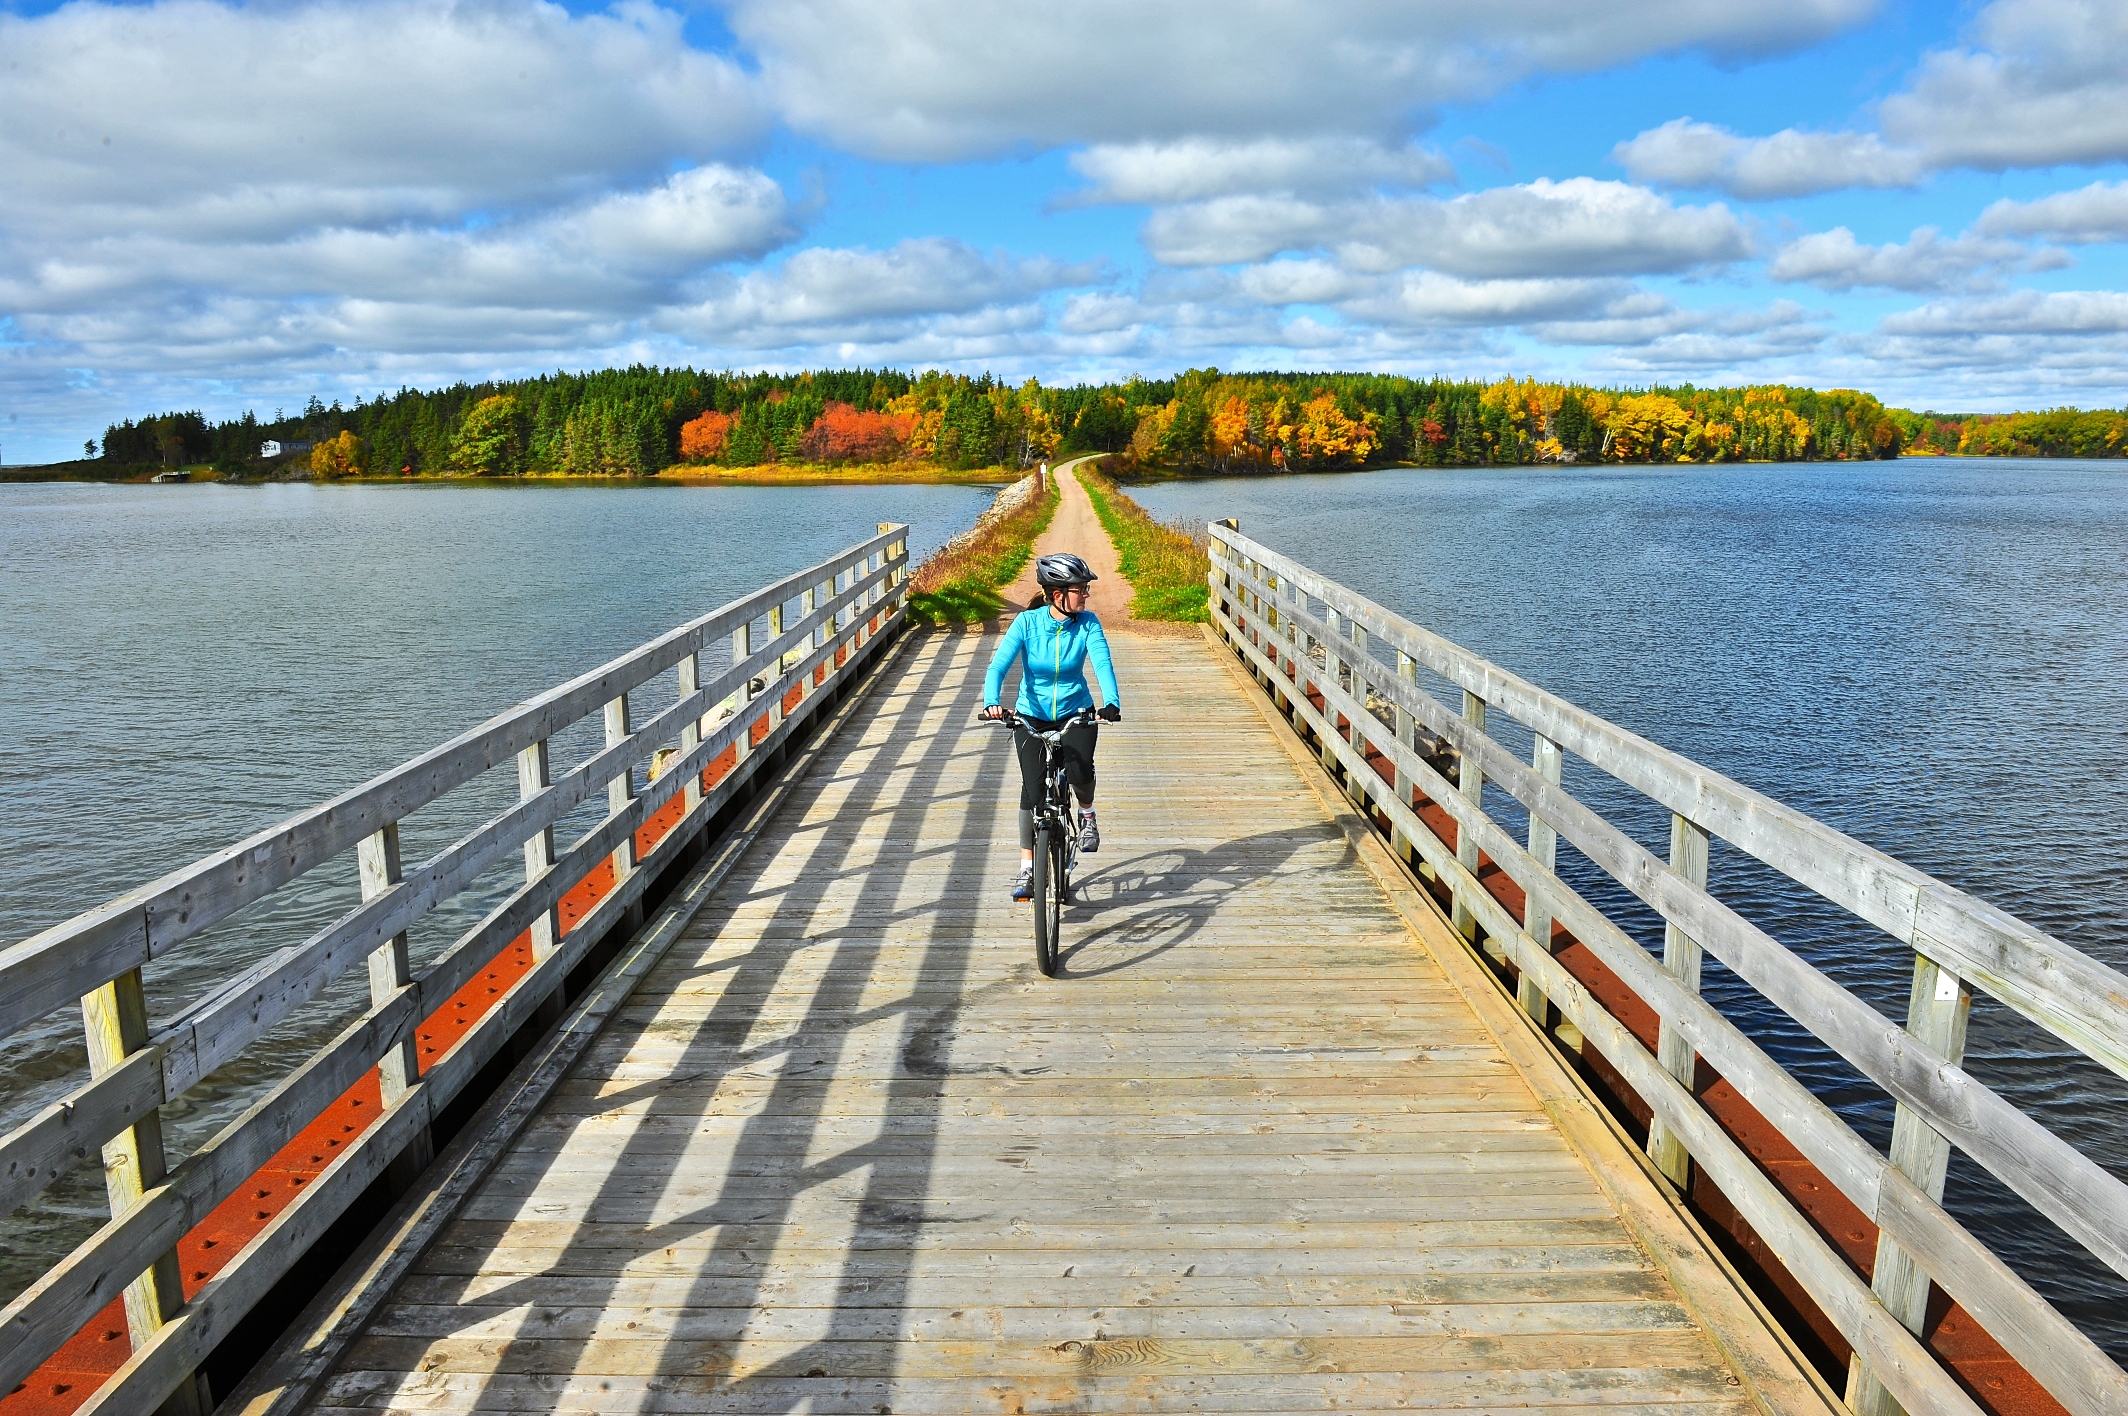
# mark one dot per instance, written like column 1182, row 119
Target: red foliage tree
column 703, row 439
column 846, row 434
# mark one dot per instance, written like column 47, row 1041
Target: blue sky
column 224, row 206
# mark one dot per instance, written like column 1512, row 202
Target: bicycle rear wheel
column 1048, row 901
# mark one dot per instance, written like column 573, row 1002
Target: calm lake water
column 1931, row 656
column 181, row 666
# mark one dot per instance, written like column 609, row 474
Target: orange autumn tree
column 843, row 433
column 702, row 439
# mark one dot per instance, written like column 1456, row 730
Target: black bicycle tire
column 1059, row 896
column 1045, row 944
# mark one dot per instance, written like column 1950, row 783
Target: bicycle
column 1056, row 840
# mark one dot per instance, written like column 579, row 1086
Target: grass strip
column 1166, row 565
column 961, row 581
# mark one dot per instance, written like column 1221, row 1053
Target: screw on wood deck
column 1270, row 1142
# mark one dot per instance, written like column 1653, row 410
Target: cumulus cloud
column 2088, row 215
column 2061, row 312
column 208, row 121
column 1576, row 228
column 1791, row 163
column 607, row 258
column 827, row 294
column 1194, row 169
column 2044, row 83
column 1926, row 262
column 930, row 80
column 2009, row 350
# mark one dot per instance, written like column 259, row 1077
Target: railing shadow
column 1158, row 901
column 797, row 1179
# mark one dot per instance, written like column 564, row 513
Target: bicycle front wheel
column 1048, row 901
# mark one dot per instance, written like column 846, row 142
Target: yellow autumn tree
column 1648, row 427
column 343, row 456
column 1325, row 435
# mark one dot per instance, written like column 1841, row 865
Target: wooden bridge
column 751, row 1099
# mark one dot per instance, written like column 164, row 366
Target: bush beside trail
column 1166, row 565
column 961, row 582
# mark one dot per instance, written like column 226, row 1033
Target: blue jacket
column 1054, row 654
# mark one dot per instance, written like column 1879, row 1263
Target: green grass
column 961, row 584
column 1165, row 565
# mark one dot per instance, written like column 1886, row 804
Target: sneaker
column 1023, row 888
column 1089, row 833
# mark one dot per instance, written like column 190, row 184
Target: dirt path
column 1076, row 528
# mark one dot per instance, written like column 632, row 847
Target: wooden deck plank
column 846, row 1151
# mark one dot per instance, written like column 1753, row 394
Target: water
column 181, row 666
column 1930, row 656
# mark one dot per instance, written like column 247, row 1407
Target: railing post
column 1937, row 1008
column 1681, row 956
column 1471, row 783
column 620, row 790
column 115, row 1020
column 775, row 697
column 691, row 730
column 398, row 1070
column 1536, row 910
column 533, row 776
column 1333, row 672
column 1360, row 783
column 1406, row 729
column 742, row 642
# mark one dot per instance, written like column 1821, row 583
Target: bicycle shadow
column 1158, row 900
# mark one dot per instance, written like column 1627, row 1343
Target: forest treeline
column 2055, row 432
column 637, row 422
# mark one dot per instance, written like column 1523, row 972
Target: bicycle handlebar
column 1009, row 719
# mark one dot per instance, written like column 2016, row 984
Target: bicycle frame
column 1056, row 841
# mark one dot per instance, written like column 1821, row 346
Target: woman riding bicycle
column 1053, row 640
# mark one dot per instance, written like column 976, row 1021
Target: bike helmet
column 1062, row 569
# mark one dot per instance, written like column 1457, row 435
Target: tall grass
column 961, row 581
column 1166, row 565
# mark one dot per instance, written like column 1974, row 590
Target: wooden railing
column 822, row 625
column 1346, row 670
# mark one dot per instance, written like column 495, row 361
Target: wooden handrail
column 67, row 961
column 1261, row 600
column 2066, row 992
column 849, row 601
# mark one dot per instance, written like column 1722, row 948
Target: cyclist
column 1053, row 640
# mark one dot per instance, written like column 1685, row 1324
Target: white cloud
column 207, row 121
column 2018, row 349
column 606, row 259
column 1230, row 230
column 1578, row 227
column 2090, row 214
column 1429, row 298
column 930, row 80
column 1791, row 163
column 1194, row 169
column 1927, row 261
column 824, row 295
column 2043, row 83
column 2046, row 83
column 198, row 186
column 2062, row 312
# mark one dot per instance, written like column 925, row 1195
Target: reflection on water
column 180, row 666
column 1931, row 656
